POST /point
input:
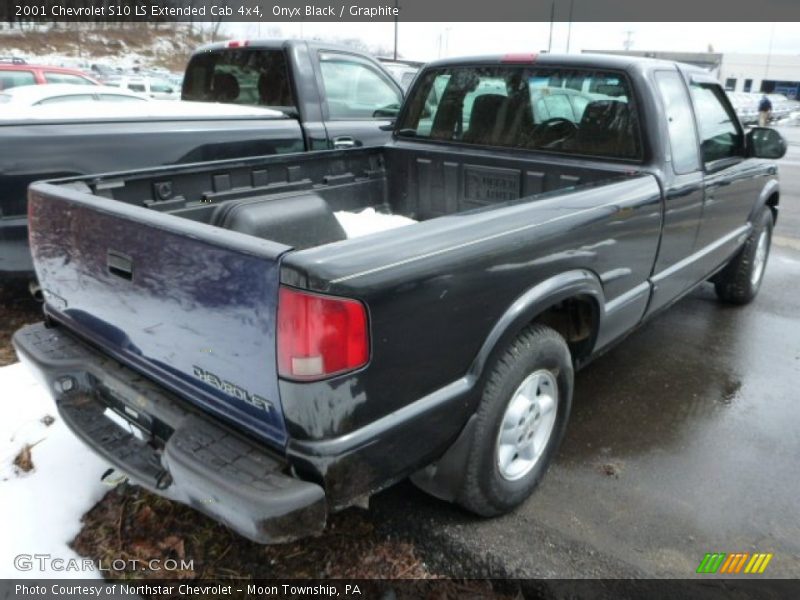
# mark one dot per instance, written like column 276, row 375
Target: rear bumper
column 15, row 255
column 176, row 452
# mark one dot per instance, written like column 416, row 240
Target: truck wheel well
column 772, row 202
column 576, row 319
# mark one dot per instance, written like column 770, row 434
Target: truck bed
column 291, row 199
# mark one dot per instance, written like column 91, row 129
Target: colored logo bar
column 734, row 563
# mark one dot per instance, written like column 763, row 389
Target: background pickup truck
column 271, row 370
column 328, row 97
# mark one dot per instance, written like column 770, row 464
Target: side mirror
column 765, row 142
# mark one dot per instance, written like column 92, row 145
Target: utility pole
column 769, row 54
column 552, row 17
column 628, row 43
column 396, row 18
column 569, row 26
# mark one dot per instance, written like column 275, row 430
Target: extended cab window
column 571, row 111
column 721, row 136
column 253, row 76
column 680, row 121
column 355, row 89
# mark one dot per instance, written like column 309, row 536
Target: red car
column 16, row 73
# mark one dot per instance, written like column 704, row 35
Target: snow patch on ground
column 369, row 221
column 41, row 509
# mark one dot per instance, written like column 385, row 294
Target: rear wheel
column 520, row 422
column 740, row 280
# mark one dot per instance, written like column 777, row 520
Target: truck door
column 730, row 185
column 359, row 100
column 683, row 191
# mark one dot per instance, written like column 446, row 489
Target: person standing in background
column 764, row 111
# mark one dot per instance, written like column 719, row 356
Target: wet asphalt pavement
column 684, row 439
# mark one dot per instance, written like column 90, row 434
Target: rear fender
column 771, row 188
column 578, row 282
column 444, row 479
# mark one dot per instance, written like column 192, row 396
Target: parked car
column 14, row 60
column 59, row 93
column 340, row 99
column 274, row 371
column 15, row 74
column 403, row 71
column 781, row 107
column 156, row 88
column 746, row 106
column 105, row 73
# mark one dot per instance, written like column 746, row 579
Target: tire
column 740, row 280
column 496, row 480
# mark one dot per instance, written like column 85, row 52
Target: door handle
column 343, row 142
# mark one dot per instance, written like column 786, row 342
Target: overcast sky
column 427, row 41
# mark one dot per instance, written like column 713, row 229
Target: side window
column 119, row 98
column 71, row 98
column 66, row 78
column 431, row 107
column 136, row 87
column 494, row 91
column 161, row 87
column 558, row 107
column 579, row 104
column 680, row 122
column 10, row 79
column 720, row 132
column 355, row 89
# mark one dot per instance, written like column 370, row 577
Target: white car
column 403, row 73
column 59, row 93
column 154, row 87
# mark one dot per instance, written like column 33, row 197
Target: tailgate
column 189, row 305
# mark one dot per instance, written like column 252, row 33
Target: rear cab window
column 569, row 111
column 250, row 76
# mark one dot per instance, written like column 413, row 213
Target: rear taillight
column 320, row 336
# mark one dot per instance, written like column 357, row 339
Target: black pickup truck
column 328, row 97
column 269, row 370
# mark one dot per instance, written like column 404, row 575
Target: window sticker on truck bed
column 231, row 389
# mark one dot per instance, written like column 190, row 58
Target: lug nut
column 64, row 384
